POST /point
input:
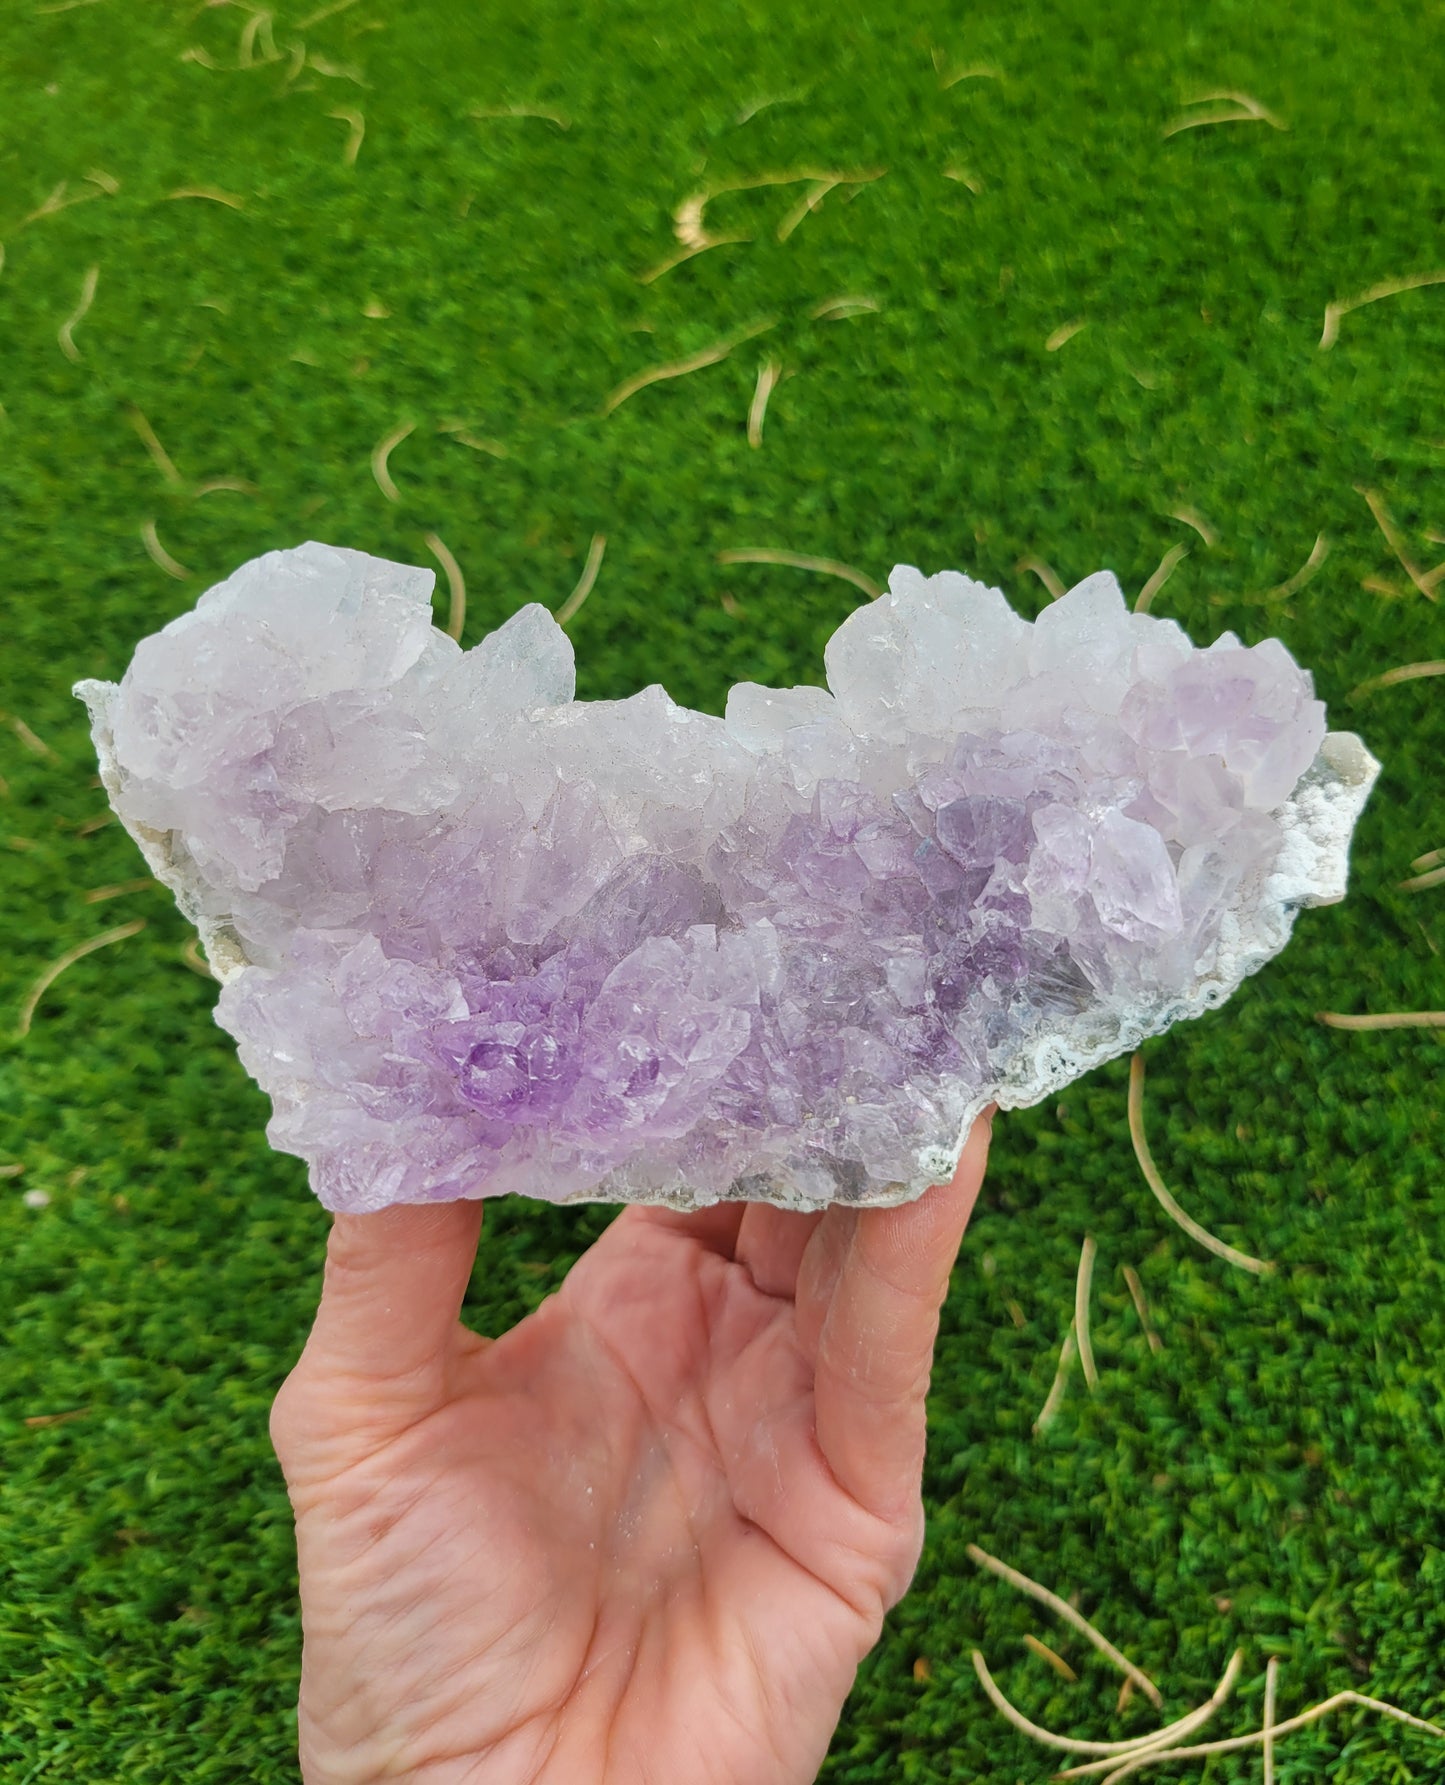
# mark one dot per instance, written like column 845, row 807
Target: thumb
column 392, row 1293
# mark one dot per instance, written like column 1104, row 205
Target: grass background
column 1274, row 1476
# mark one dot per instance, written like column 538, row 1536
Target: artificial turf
column 1273, row 1476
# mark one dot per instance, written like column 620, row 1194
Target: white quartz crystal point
column 759, row 717
column 925, row 654
column 480, row 937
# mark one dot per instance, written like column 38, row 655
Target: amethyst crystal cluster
column 479, row 937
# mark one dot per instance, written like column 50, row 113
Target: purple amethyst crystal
column 478, row 937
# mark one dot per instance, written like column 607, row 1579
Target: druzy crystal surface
column 477, row 936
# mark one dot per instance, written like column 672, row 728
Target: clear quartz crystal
column 478, row 937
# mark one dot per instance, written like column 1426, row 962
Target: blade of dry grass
column 802, row 561
column 1136, row 1763
column 159, row 555
column 456, row 585
column 1319, row 551
column 569, row 607
column 68, row 959
column 1038, row 1647
column 1407, row 672
column 1075, row 1619
column 381, row 457
column 1391, row 1019
column 1386, row 288
column 1168, row 564
column 1049, row 1412
column 1046, row 574
column 1156, row 1183
column 1082, row 1285
column 66, row 332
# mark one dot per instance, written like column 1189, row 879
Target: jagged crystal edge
column 930, row 618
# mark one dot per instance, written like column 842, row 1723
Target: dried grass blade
column 1156, row 1183
column 1079, row 1622
column 569, row 607
column 1082, row 1337
column 802, row 561
column 68, row 959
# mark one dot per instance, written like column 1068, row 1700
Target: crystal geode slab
column 476, row 936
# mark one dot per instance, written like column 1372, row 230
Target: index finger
column 875, row 1351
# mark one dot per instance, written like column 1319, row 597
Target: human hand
column 647, row 1535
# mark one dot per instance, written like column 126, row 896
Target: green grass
column 1272, row 1477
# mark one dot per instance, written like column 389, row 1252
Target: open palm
column 648, row 1534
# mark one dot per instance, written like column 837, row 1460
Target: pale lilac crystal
column 480, row 937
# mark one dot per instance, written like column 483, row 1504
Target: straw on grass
column 802, row 561
column 456, row 584
column 688, row 219
column 569, row 607
column 1074, row 1618
column 976, row 71
column 461, row 431
column 544, row 113
column 357, row 133
column 328, row 11
column 68, row 959
column 1082, row 1284
column 381, row 455
column 1391, row 1019
column 1271, row 1681
column 1386, row 288
column 810, row 201
column 1135, row 1763
column 694, row 362
column 1037, row 1646
column 213, row 193
column 1156, row 1183
column 1407, row 672
column 57, row 200
column 1425, row 581
column 1046, row 574
column 817, row 192
column 683, row 255
column 65, row 334
column 1167, row 566
column 240, row 485
column 159, row 555
column 836, row 309
column 196, row 961
column 1141, row 1308
column 1172, row 1733
column 162, row 460
column 1055, row 1397
column 1156, row 1742
column 768, row 375
column 1229, row 107
column 120, row 890
column 1191, row 517
column 258, row 25
column 32, row 741
column 1319, row 551
column 337, row 71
